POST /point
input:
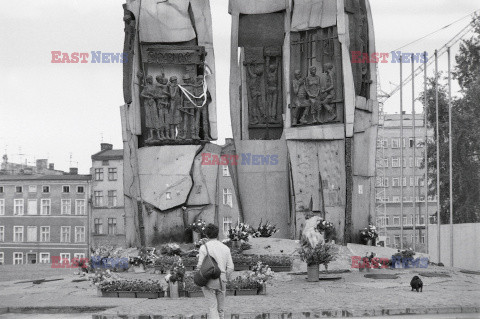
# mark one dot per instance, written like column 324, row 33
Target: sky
column 63, row 112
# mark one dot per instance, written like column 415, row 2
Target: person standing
column 215, row 289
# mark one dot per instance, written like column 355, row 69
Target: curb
column 337, row 313
column 53, row 310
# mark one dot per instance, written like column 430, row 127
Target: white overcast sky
column 54, row 110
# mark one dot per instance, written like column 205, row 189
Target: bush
column 131, row 285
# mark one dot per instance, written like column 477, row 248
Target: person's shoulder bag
column 208, row 270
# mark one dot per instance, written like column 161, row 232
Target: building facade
column 43, row 216
column 389, row 181
column 108, row 215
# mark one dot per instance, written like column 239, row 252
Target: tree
column 465, row 135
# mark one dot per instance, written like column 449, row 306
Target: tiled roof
column 108, row 155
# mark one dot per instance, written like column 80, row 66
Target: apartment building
column 389, row 180
column 108, row 211
column 42, row 216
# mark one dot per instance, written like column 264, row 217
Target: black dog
column 416, row 283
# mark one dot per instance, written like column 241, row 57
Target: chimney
column 228, row 141
column 106, row 147
column 73, row 171
column 42, row 164
column 51, row 166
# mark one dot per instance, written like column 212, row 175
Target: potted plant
column 176, row 275
column 246, row 286
column 261, row 273
column 238, row 234
column 265, row 230
column 314, row 257
column 191, row 288
column 151, row 289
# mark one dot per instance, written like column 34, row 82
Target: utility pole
column 450, row 154
column 425, row 110
column 414, row 158
column 438, row 155
column 401, row 156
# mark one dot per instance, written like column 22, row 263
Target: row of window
column 111, row 198
column 383, row 181
column 32, row 234
column 385, row 220
column 396, row 240
column 45, row 206
column 44, row 258
column 112, row 174
column 395, row 142
column 395, row 162
column 396, row 199
column 45, row 189
column 98, row 226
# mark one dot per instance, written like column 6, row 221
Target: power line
column 438, row 30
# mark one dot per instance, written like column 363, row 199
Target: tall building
column 43, row 216
column 108, row 214
column 389, row 180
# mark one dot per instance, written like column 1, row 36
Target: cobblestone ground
column 287, row 293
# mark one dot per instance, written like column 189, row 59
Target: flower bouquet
column 240, row 232
column 261, row 273
column 176, row 275
column 265, row 230
column 327, row 229
column 171, row 249
column 198, row 229
column 369, row 235
column 320, row 254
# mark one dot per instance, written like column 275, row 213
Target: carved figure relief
column 317, row 97
column 174, row 113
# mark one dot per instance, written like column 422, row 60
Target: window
column 2, row 207
column 80, row 189
column 79, row 255
column 98, row 174
column 18, row 189
column 18, row 207
column 396, row 220
column 98, row 226
column 79, row 234
column 397, row 239
column 168, row 195
column 32, row 188
column 32, row 207
column 66, row 189
column 227, row 224
column 395, row 143
column 65, row 258
column 79, row 207
column 382, row 143
column 411, row 142
column 105, row 163
column 418, row 161
column 396, row 199
column 395, row 162
column 382, row 182
column 31, row 233
column 419, row 142
column 66, row 207
column 18, row 234
column 112, row 226
column 419, row 181
column 225, row 170
column 384, row 162
column 98, row 198
column 387, row 241
column 404, row 220
column 65, row 234
column 45, row 234
column 1, row 189
column 2, row 258
column 432, row 198
column 404, row 162
column 422, row 220
column 411, row 181
column 227, row 197
column 112, row 198
column 422, row 239
column 112, row 174
column 45, row 189
column 404, row 142
column 17, row 258
column 387, row 220
column 404, row 182
column 2, row 233
column 45, row 206
column 396, row 182
column 44, row 258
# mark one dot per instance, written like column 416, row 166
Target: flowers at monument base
column 171, row 249
column 176, row 272
column 261, row 273
column 240, row 232
column 318, row 255
column 198, row 226
column 132, row 285
column 369, row 233
column 265, row 230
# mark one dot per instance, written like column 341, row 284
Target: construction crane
column 440, row 52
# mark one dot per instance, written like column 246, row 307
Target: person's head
column 313, row 70
column 298, row 74
column 149, row 79
column 173, row 80
column 328, row 66
column 211, row 231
